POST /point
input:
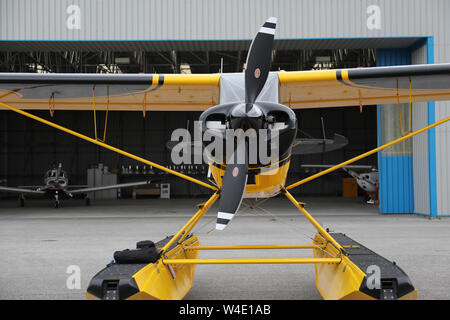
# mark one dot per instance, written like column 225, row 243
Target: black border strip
column 397, row 71
column 78, row 79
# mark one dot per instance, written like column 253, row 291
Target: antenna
column 323, row 137
column 323, row 129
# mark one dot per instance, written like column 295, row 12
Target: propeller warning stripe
column 267, row 30
column 221, row 224
column 225, row 215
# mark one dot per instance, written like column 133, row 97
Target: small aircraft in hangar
column 56, row 186
column 165, row 270
column 366, row 177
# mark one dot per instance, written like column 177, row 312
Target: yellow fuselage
column 267, row 182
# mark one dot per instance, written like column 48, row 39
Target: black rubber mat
column 394, row 281
column 115, row 281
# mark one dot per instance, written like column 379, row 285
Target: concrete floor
column 38, row 243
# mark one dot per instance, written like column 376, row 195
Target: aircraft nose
column 240, row 118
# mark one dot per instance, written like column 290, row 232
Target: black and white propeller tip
column 269, row 26
column 222, row 220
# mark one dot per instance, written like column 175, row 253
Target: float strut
column 191, row 223
column 384, row 146
column 320, row 229
column 107, row 146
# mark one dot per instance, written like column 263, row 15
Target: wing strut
column 107, row 146
column 384, row 146
column 95, row 114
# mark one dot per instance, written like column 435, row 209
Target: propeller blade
column 258, row 61
column 233, row 188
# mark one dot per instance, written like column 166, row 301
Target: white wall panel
column 218, row 19
column 443, row 159
column 420, row 146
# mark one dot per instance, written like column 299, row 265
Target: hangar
column 155, row 42
column 207, row 36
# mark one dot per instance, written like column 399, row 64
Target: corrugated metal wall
column 216, row 19
column 420, row 146
column 443, row 159
column 441, row 54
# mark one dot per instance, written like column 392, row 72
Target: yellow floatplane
column 165, row 270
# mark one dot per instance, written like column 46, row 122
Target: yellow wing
column 365, row 86
column 126, row 92
column 197, row 92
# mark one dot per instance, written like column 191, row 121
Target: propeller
column 233, row 186
column 258, row 61
column 246, row 116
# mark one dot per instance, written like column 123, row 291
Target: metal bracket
column 51, row 104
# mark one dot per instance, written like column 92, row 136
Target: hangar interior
column 29, row 148
column 199, row 38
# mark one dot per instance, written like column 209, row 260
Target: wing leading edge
column 365, row 86
column 21, row 190
column 125, row 92
column 197, row 92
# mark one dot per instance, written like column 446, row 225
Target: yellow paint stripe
column 155, row 79
column 344, row 74
column 191, row 79
column 307, row 76
column 253, row 261
column 256, row 247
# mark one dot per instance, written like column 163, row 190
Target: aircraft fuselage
column 271, row 123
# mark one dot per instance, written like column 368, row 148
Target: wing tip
column 272, row 20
